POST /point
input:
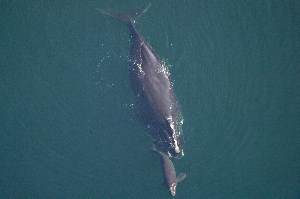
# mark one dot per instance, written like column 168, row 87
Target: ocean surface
column 68, row 127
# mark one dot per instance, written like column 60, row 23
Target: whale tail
column 128, row 17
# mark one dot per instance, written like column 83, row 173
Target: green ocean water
column 68, row 127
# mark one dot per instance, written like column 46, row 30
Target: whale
column 150, row 78
column 169, row 172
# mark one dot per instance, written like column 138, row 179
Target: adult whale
column 150, row 79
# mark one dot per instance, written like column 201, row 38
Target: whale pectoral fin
column 154, row 149
column 180, row 177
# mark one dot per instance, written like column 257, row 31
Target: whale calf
column 150, row 78
column 170, row 178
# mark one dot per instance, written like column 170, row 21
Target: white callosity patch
column 177, row 150
column 173, row 189
column 174, row 134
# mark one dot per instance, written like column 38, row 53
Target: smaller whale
column 170, row 178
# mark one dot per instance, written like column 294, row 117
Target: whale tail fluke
column 128, row 17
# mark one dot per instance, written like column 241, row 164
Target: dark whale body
column 150, row 79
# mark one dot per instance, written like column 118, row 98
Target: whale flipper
column 180, row 177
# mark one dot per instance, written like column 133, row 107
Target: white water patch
column 163, row 68
column 167, row 67
column 139, row 66
column 129, row 106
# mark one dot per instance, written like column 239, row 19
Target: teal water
column 68, row 127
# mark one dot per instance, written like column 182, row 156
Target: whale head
column 174, row 135
column 172, row 189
